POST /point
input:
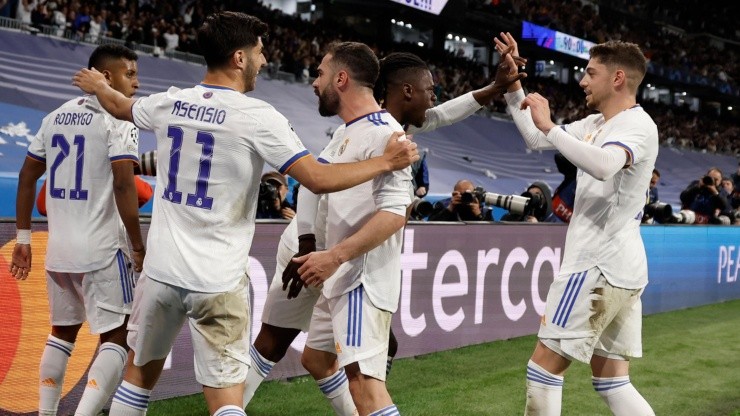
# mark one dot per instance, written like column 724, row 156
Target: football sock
column 229, row 410
column 51, row 374
column 130, row 400
column 259, row 369
column 621, row 396
column 336, row 389
column 544, row 392
column 102, row 379
column 391, row 410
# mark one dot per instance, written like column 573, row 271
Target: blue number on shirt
column 199, row 199
column 76, row 193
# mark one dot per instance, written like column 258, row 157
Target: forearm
column 449, row 112
column 308, row 203
column 24, row 202
column 533, row 137
column 117, row 104
column 485, row 95
column 379, row 228
column 124, row 191
column 339, row 176
column 599, row 162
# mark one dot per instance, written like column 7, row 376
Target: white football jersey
column 378, row 270
column 604, row 230
column 212, row 143
column 290, row 235
column 78, row 142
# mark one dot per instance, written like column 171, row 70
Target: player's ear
column 341, row 79
column 108, row 76
column 408, row 91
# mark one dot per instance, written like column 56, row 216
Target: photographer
column 539, row 207
column 704, row 199
column 464, row 205
column 271, row 202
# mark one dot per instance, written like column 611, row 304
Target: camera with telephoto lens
column 268, row 193
column 420, row 209
column 469, row 197
column 707, row 180
column 516, row 204
column 660, row 212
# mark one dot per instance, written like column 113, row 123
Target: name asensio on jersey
column 199, row 113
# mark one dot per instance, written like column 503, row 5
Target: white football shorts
column 586, row 315
column 102, row 297
column 219, row 328
column 354, row 329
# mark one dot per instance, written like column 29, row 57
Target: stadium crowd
column 295, row 46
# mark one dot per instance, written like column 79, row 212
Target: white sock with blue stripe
column 229, row 410
column 258, row 370
column 544, row 391
column 621, row 396
column 391, row 410
column 336, row 389
column 51, row 373
column 130, row 400
column 102, row 379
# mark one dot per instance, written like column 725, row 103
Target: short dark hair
column 622, row 54
column 223, row 33
column 656, row 171
column 358, row 59
column 104, row 53
column 395, row 68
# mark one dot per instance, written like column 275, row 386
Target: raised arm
column 323, row 178
column 93, row 82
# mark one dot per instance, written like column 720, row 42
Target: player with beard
column 405, row 88
column 217, row 140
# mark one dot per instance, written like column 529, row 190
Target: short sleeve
column 37, row 147
column 142, row 110
column 391, row 191
column 276, row 141
column 633, row 137
column 123, row 143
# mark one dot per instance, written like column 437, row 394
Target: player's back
column 78, row 141
column 211, row 143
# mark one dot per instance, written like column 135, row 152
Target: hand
column 507, row 44
column 530, row 218
column 400, row 153
column 89, row 80
column 454, row 201
column 507, row 72
column 20, row 263
column 291, row 277
column 138, row 259
column 475, row 208
column 421, row 191
column 287, row 213
column 317, row 267
column 540, row 109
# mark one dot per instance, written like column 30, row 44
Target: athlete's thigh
column 320, row 332
column 219, row 328
column 361, row 332
column 282, row 312
column 66, row 303
column 157, row 316
column 109, row 293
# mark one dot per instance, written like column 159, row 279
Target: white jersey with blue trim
column 78, row 142
column 212, row 143
column 604, row 230
column 379, row 269
column 290, row 234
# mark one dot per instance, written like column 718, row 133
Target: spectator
column 736, row 177
column 539, row 208
column 565, row 194
column 703, row 198
column 464, row 205
column 653, row 190
column 272, row 201
column 172, row 39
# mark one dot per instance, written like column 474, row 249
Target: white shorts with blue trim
column 354, row 329
column 282, row 312
column 102, row 297
column 586, row 315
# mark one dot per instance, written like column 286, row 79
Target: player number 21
column 76, row 193
column 199, row 199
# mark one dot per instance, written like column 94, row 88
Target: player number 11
column 199, row 199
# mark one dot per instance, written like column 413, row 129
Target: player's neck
column 616, row 105
column 224, row 79
column 357, row 104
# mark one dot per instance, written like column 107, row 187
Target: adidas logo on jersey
column 92, row 384
column 338, row 348
column 49, row 382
